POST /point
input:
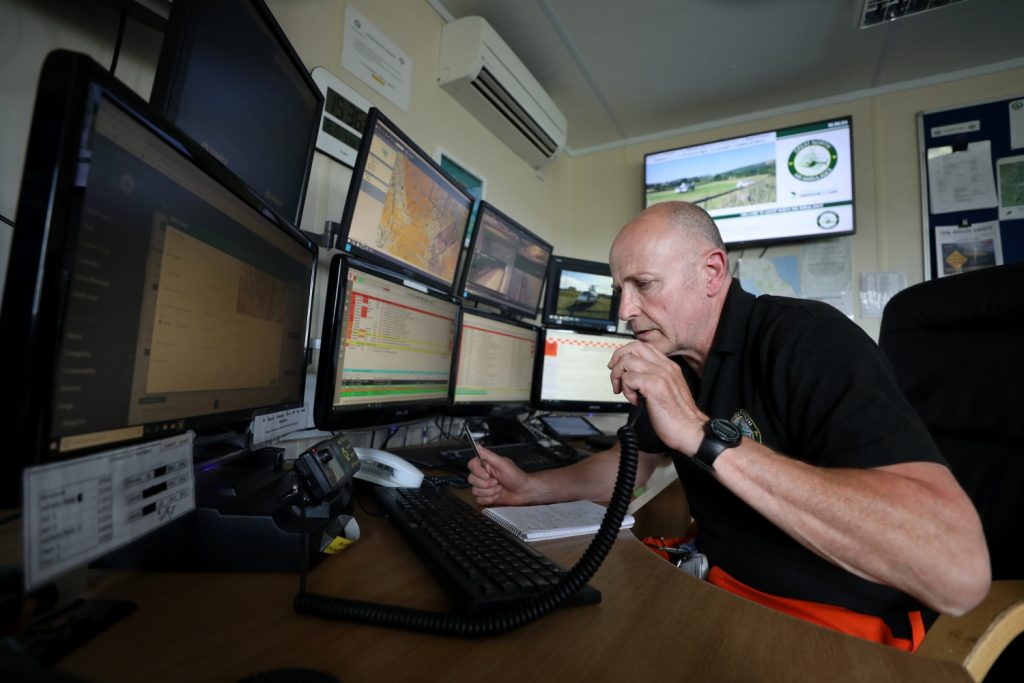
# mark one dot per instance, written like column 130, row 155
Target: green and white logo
column 828, row 220
column 812, row 160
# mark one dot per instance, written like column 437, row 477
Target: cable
column 118, row 41
column 6, row 220
column 514, row 616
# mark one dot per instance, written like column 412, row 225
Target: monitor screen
column 506, row 264
column 494, row 362
column 781, row 185
column 150, row 292
column 573, row 372
column 229, row 77
column 403, row 210
column 580, row 295
column 386, row 348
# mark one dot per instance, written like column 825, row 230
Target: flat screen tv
column 229, row 77
column 780, row 185
column 580, row 295
column 150, row 292
column 403, row 211
column 506, row 264
column 386, row 350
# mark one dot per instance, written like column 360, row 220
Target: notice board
column 972, row 186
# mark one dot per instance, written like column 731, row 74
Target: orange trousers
column 840, row 619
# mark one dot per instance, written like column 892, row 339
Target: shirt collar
column 732, row 323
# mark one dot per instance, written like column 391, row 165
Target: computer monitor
column 150, row 294
column 782, row 185
column 403, row 211
column 505, row 265
column 228, row 76
column 386, row 348
column 572, row 372
column 494, row 363
column 580, row 296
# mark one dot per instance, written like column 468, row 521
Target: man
column 834, row 505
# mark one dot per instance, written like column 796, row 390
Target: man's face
column 662, row 294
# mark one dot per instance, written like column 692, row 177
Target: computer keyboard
column 529, row 456
column 480, row 565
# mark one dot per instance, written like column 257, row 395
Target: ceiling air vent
column 880, row 11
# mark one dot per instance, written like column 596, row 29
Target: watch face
column 725, row 430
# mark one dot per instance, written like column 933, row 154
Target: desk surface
column 654, row 622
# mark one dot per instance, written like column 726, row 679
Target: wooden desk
column 654, row 623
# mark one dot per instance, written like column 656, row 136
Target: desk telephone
column 387, row 469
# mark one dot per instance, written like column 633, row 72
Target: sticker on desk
column 346, row 530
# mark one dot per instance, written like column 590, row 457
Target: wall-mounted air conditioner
column 482, row 73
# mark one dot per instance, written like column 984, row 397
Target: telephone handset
column 387, row 469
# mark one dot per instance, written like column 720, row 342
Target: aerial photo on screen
column 724, row 179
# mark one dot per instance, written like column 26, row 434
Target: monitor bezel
column 556, row 266
column 327, row 416
column 467, row 408
column 172, row 67
column 373, row 118
column 48, row 220
column 556, row 405
column 771, row 241
column 505, row 306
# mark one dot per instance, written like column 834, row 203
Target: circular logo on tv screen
column 812, row 160
column 828, row 220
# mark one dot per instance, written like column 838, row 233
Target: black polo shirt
column 801, row 378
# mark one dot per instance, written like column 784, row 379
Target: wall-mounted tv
column 780, row 185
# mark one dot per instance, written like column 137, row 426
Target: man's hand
column 638, row 369
column 497, row 480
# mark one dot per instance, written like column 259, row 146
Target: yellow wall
column 607, row 187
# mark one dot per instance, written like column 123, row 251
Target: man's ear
column 716, row 265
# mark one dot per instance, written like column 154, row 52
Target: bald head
column 681, row 220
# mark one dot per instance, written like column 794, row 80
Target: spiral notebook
column 555, row 520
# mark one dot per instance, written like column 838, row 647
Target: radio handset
column 636, row 411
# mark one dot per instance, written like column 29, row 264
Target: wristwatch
column 719, row 434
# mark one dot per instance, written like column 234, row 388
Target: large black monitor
column 149, row 294
column 580, row 295
column 572, row 372
column 403, row 211
column 792, row 183
column 229, row 77
column 505, row 265
column 386, row 348
column 494, row 363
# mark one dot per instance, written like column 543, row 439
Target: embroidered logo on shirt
column 741, row 418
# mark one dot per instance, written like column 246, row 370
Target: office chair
column 956, row 345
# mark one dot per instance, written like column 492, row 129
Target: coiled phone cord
column 518, row 614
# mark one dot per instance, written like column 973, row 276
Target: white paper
column 1016, row 124
column 274, row 426
column 826, row 273
column 375, row 59
column 877, row 288
column 963, row 249
column 1010, row 173
column 962, row 181
column 79, row 509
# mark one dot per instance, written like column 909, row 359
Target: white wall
column 606, row 188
